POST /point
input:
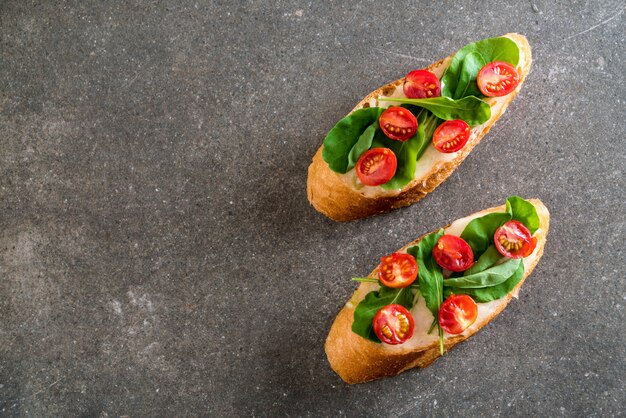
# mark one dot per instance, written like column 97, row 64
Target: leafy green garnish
column 363, row 144
column 489, row 277
column 479, row 232
column 428, row 125
column 373, row 302
column 471, row 109
column 345, row 135
column 472, row 63
column 487, row 294
column 459, row 80
column 488, row 259
column 430, row 275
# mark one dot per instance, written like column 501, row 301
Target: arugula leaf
column 345, row 134
column 429, row 273
column 471, row 109
column 479, row 232
column 428, row 125
column 492, row 276
column 524, row 211
column 459, row 80
column 487, row 294
column 372, row 303
column 472, row 64
column 488, row 259
column 363, row 144
column 430, row 276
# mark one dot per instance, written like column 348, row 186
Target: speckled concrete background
column 158, row 256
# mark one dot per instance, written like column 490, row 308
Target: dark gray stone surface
column 158, row 256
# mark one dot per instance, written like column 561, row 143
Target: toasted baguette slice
column 359, row 360
column 342, row 198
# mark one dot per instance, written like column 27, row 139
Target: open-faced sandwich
column 437, row 291
column 404, row 139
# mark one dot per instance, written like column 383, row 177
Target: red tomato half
column 421, row 84
column 453, row 253
column 398, row 123
column 457, row 313
column 514, row 240
column 397, row 270
column 497, row 79
column 393, row 324
column 451, row 136
column 376, row 166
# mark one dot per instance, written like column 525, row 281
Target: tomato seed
column 404, row 324
column 386, row 331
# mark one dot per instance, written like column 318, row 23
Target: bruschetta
column 437, row 291
column 405, row 138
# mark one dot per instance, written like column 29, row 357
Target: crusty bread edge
column 333, row 197
column 357, row 360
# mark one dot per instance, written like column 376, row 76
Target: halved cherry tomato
column 398, row 123
column 393, row 324
column 451, row 136
column 453, row 253
column 457, row 313
column 497, row 79
column 514, row 240
column 397, row 270
column 421, row 84
column 376, row 166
